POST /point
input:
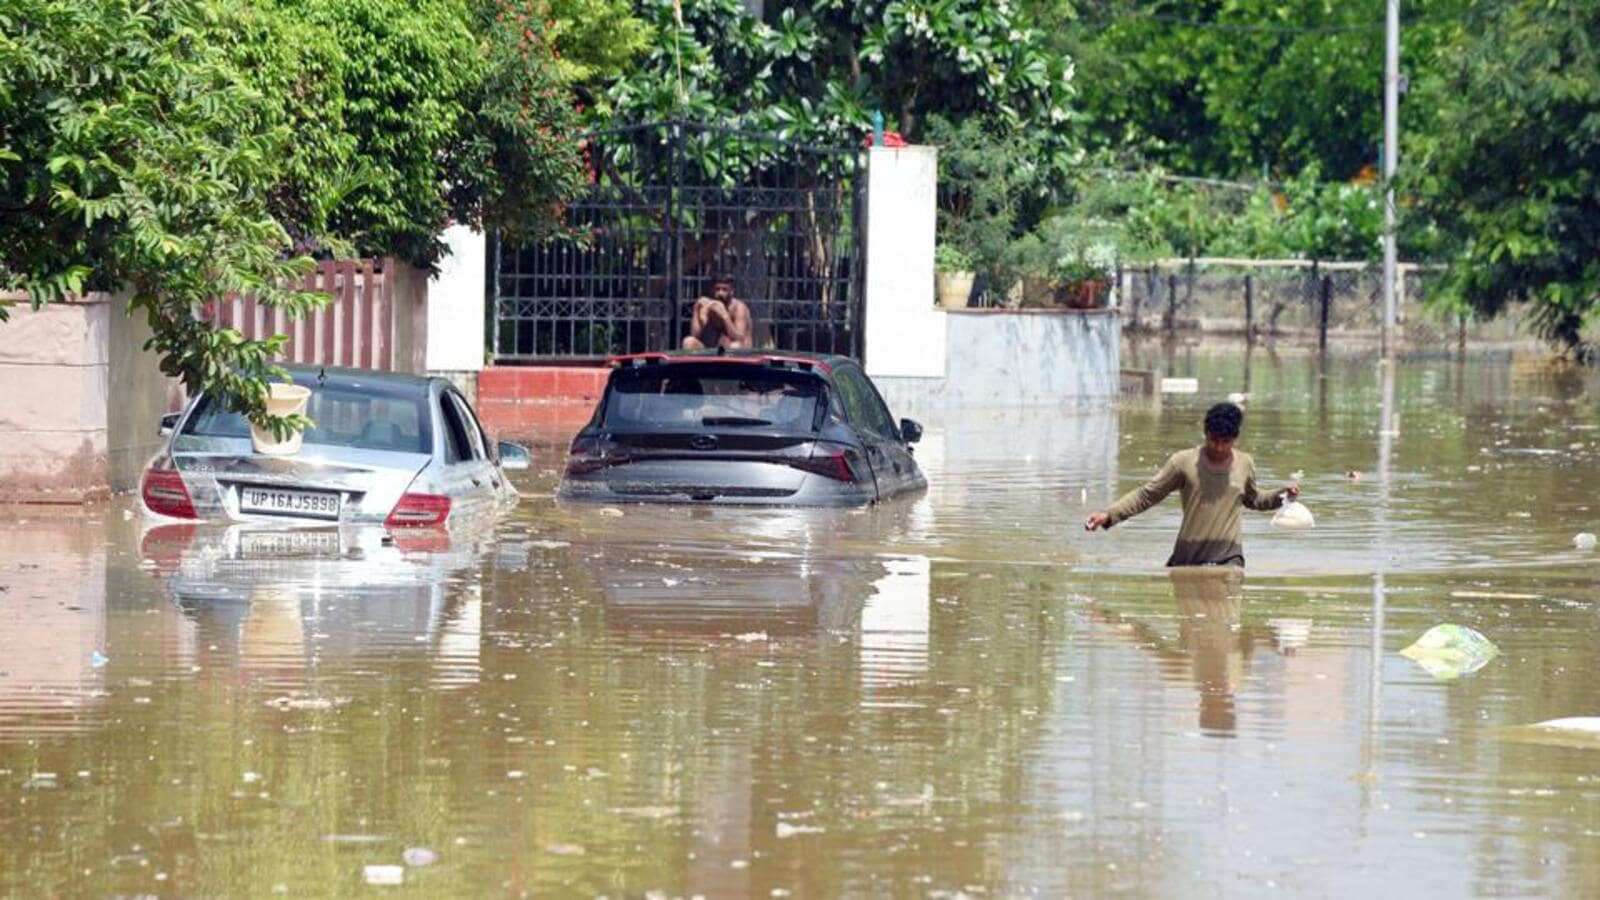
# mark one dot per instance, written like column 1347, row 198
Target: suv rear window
column 366, row 417
column 713, row 396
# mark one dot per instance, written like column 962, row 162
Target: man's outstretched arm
column 1252, row 498
column 1168, row 479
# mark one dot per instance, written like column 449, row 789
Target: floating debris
column 1581, row 732
column 786, row 830
column 1180, row 385
column 416, row 857
column 384, row 875
column 1449, row 651
column 611, row 511
column 1293, row 514
column 304, row 702
column 1583, row 540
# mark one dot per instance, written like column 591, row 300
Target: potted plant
column 953, row 275
column 1080, row 284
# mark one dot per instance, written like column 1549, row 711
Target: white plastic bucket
column 282, row 400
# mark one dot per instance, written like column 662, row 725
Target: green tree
column 598, row 41
column 134, row 156
column 414, row 115
column 1235, row 87
column 189, row 150
column 1510, row 172
column 817, row 70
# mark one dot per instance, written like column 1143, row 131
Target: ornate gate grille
column 669, row 206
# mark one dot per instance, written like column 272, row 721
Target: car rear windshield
column 713, row 396
column 367, row 417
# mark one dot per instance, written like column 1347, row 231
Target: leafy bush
column 950, row 258
column 188, row 150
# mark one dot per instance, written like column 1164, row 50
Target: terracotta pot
column 1084, row 294
column 954, row 288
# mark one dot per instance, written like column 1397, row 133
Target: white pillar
column 905, row 332
column 455, row 304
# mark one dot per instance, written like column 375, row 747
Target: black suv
column 741, row 427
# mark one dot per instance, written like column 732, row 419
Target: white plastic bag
column 1293, row 514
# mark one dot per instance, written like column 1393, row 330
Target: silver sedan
column 402, row 451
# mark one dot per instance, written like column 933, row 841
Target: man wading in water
column 1214, row 480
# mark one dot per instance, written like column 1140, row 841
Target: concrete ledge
column 1031, row 311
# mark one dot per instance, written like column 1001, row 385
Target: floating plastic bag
column 1293, row 514
column 1583, row 540
column 1450, row 651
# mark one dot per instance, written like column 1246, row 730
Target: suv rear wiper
column 733, row 420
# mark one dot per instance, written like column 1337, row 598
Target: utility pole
column 1391, row 157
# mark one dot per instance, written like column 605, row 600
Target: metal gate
column 669, row 206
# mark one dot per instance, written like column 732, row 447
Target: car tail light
column 165, row 494
column 419, row 511
column 829, row 462
column 584, row 456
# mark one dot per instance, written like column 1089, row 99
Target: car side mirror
column 910, row 431
column 169, row 421
column 513, row 455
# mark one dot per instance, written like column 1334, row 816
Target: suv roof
column 823, row 361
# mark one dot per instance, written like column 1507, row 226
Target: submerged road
column 958, row 694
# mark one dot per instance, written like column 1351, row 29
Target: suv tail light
column 830, row 462
column 419, row 511
column 584, row 456
column 165, row 494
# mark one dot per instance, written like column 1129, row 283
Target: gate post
column 455, row 301
column 904, row 331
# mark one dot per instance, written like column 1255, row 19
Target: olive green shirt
column 1212, row 500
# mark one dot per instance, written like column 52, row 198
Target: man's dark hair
column 723, row 277
column 1224, row 420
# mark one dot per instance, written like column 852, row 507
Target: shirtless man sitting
column 720, row 320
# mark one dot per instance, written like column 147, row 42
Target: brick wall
column 538, row 400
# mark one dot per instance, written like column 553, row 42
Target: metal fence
column 669, row 206
column 1266, row 298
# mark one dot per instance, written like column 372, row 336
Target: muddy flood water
column 959, row 694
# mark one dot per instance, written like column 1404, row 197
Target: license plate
column 280, row 544
column 289, row 502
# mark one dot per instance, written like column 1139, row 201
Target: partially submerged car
column 387, row 449
column 741, row 427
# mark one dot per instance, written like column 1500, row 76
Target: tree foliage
column 135, row 157
column 185, row 151
column 413, row 114
column 1242, row 87
column 597, row 42
column 817, row 70
column 1510, row 173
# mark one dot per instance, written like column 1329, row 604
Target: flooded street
column 960, row 693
